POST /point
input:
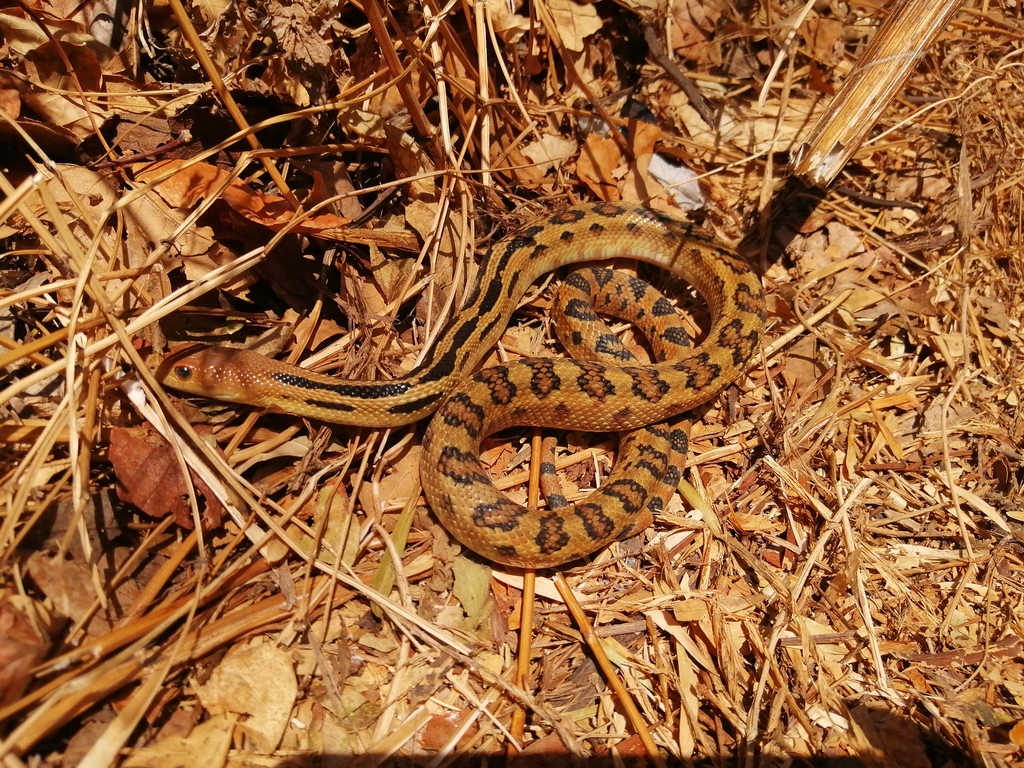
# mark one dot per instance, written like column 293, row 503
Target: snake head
column 198, row 369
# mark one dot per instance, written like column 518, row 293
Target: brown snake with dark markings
column 554, row 392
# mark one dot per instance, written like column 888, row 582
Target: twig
column 609, row 672
column 681, row 79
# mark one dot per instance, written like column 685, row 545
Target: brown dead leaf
column 749, row 524
column 442, row 727
column 472, row 587
column 1017, row 734
column 517, row 165
column 257, row 680
column 208, row 744
column 803, row 366
column 599, row 163
column 575, row 21
column 509, row 26
column 391, row 273
column 23, row 642
column 894, row 736
column 816, row 253
column 550, row 746
column 20, row 32
column 824, row 37
column 296, row 29
column 411, row 161
column 637, row 185
column 394, row 489
column 549, row 152
column 694, row 21
column 47, row 67
column 68, row 586
column 330, row 507
column 919, row 185
column 368, row 301
column 323, row 330
column 10, row 97
column 193, row 182
column 149, row 477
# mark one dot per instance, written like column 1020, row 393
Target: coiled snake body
column 554, row 392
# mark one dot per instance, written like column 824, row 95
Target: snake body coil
column 552, row 392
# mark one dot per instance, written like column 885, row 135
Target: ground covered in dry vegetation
column 841, row 574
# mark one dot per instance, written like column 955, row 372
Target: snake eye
column 183, row 372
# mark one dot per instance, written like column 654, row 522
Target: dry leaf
column 638, row 185
column 411, row 162
column 22, row 644
column 192, row 182
column 149, row 477
column 750, row 524
column 395, row 488
column 599, row 162
column 257, row 680
column 550, row 151
column 472, row 586
column 550, row 746
column 574, row 21
column 340, row 530
column 509, row 26
column 442, row 727
column 207, row 745
column 824, row 38
column 1017, row 734
column 694, row 21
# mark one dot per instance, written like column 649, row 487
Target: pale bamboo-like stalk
column 888, row 61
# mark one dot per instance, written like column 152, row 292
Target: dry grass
column 841, row 575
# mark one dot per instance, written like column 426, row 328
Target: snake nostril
column 183, row 372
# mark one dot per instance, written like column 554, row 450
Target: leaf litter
column 840, row 575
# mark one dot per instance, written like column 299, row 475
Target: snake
column 554, row 392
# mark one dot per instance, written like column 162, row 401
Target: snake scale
column 588, row 395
